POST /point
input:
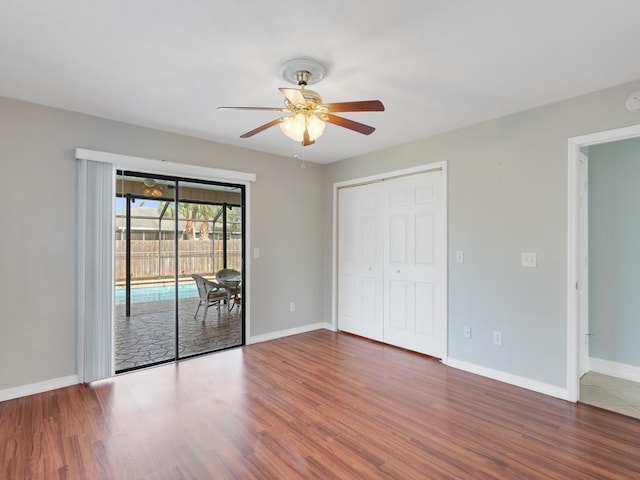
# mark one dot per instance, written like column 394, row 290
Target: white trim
column 574, row 145
column 33, row 388
column 81, row 264
column 288, row 332
column 606, row 136
column 377, row 178
column 334, row 261
column 393, row 174
column 615, row 369
column 246, row 264
column 572, row 275
column 162, row 167
column 523, row 382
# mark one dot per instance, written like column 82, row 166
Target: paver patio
column 148, row 335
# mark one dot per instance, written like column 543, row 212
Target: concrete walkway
column 148, row 335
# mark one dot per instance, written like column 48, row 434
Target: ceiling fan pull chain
column 301, row 157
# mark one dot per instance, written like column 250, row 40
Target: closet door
column 360, row 260
column 415, row 263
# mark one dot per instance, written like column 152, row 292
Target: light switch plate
column 459, row 256
column 528, row 259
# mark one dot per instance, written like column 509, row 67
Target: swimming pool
column 155, row 293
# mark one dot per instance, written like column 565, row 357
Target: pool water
column 156, row 293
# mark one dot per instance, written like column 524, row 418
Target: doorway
column 168, row 232
column 607, row 382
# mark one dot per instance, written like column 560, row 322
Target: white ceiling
column 437, row 65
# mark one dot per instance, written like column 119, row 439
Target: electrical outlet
column 528, row 259
column 467, row 332
column 292, row 307
column 497, row 337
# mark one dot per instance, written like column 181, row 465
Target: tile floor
column 611, row 393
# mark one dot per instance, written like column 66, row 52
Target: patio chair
column 231, row 280
column 211, row 293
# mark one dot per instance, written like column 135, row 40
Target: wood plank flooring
column 316, row 405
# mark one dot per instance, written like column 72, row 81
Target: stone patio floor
column 148, row 335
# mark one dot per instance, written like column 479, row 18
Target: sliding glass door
column 172, row 237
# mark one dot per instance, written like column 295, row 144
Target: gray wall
column 614, row 253
column 507, row 194
column 37, row 243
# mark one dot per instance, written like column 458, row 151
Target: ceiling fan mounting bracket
column 302, row 72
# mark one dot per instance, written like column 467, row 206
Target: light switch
column 459, row 256
column 256, row 253
column 528, row 259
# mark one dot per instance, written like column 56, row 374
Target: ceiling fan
column 307, row 114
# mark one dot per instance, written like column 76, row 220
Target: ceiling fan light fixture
column 153, row 192
column 295, row 125
column 308, row 114
column 315, row 127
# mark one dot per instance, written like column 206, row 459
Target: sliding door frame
column 160, row 168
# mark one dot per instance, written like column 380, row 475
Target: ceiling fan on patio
column 151, row 188
column 307, row 114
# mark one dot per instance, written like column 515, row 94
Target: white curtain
column 96, row 193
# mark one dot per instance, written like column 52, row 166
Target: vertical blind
column 96, row 191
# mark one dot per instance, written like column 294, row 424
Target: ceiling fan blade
column 306, row 140
column 350, row 124
column 262, row 127
column 363, row 106
column 275, row 109
column 294, row 95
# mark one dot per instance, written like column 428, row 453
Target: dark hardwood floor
column 317, row 405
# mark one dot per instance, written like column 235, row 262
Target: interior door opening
column 600, row 371
column 607, row 289
column 179, row 247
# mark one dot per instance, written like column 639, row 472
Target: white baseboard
column 24, row 390
column 290, row 331
column 614, row 369
column 529, row 384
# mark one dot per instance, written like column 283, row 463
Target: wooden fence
column 151, row 259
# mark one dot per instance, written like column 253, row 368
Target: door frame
column 162, row 167
column 575, row 322
column 425, row 168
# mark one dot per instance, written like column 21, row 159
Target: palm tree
column 206, row 214
column 191, row 212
